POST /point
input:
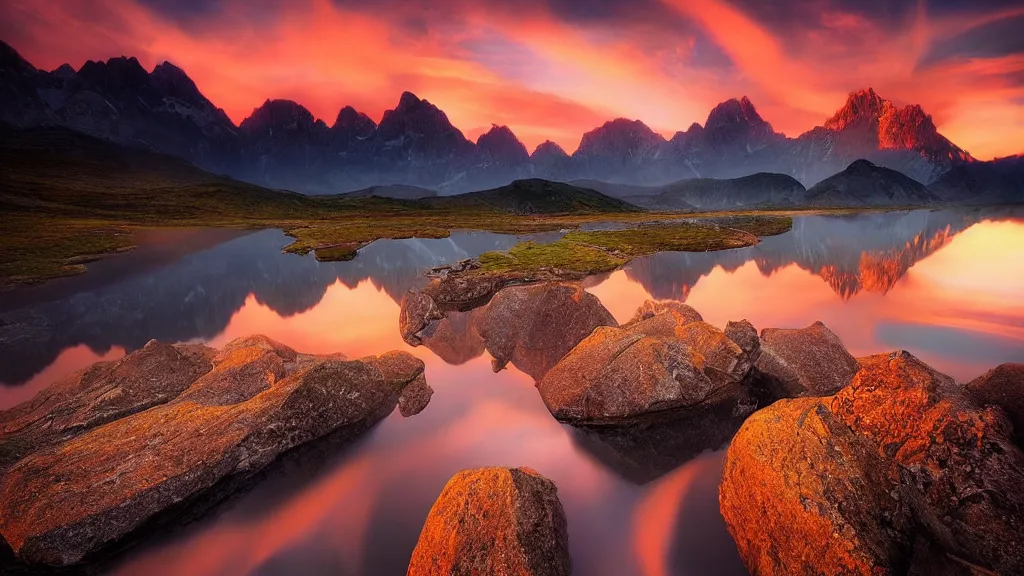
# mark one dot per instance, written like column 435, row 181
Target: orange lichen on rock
column 101, row 393
column 802, row 494
column 494, row 521
column 899, row 471
column 260, row 400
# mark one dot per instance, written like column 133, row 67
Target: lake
column 946, row 285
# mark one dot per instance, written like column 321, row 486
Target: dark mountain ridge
column 282, row 145
column 864, row 184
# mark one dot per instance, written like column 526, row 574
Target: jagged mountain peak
column 619, row 136
column 548, row 149
column 279, row 114
column 350, row 119
column 500, row 144
column 734, row 112
column 862, row 105
column 878, row 123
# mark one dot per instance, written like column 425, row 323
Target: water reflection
column 947, row 285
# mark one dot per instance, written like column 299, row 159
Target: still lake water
column 946, row 285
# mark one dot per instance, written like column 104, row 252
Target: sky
column 554, row 69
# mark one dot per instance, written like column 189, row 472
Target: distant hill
column 703, row 194
column 997, row 182
column 60, row 171
column 864, row 184
column 755, row 191
column 395, row 191
column 535, row 196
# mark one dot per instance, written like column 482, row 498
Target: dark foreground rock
column 495, row 521
column 899, row 472
column 810, row 361
column 67, row 500
column 1003, row 386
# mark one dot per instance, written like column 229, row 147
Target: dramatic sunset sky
column 553, row 69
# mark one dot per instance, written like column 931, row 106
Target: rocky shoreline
column 834, row 464
column 110, row 449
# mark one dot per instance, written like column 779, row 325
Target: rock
column 651, row 308
column 724, row 360
column 99, row 394
column 802, row 494
column 534, row 326
column 745, row 336
column 810, row 361
column 898, row 472
column 418, row 311
column 500, row 521
column 117, row 477
column 415, row 397
column 454, row 338
column 1003, row 386
column 616, row 376
column 956, row 455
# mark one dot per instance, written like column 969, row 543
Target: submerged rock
column 500, row 521
column 1003, row 386
column 809, row 361
column 899, row 471
column 259, row 401
column 101, row 393
column 535, row 325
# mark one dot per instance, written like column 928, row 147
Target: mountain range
column 282, row 145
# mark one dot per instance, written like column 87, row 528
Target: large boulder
column 500, row 521
column 534, row 326
column 956, row 455
column 802, row 494
column 1003, row 386
column 65, row 501
column 810, row 361
column 101, row 393
column 897, row 472
column 617, row 376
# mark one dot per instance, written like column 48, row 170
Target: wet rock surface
column 259, row 401
column 500, row 521
column 898, row 472
column 810, row 361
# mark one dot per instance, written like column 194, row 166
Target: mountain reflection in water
column 946, row 285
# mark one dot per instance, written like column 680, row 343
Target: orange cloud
column 541, row 73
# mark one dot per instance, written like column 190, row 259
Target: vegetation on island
column 67, row 199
